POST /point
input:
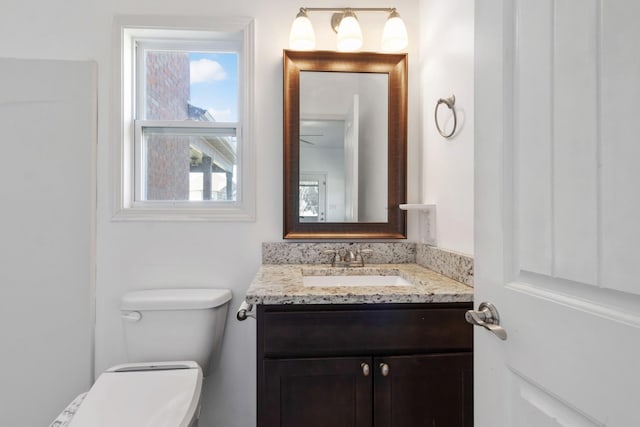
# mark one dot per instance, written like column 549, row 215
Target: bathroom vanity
column 384, row 345
column 390, row 355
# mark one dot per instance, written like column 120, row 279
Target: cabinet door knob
column 365, row 369
column 384, row 369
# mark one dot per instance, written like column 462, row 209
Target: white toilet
column 171, row 335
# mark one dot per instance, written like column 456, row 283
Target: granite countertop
column 282, row 284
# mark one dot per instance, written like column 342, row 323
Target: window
column 185, row 110
column 312, row 196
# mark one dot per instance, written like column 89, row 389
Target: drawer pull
column 365, row 369
column 384, row 369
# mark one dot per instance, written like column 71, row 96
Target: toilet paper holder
column 245, row 310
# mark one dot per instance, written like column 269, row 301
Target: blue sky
column 214, row 84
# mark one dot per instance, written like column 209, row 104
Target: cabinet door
column 424, row 391
column 322, row 392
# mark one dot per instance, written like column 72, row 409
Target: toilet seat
column 162, row 394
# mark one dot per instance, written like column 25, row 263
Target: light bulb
column 301, row 36
column 349, row 33
column 394, row 35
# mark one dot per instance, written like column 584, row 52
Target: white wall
column 446, row 68
column 163, row 254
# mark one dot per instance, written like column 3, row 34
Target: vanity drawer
column 357, row 329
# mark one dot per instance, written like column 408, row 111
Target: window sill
column 183, row 214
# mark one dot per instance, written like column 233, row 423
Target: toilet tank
column 174, row 324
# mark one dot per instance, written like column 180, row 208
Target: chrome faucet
column 349, row 258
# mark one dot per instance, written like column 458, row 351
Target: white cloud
column 221, row 115
column 206, row 71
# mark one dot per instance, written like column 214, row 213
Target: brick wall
column 168, row 94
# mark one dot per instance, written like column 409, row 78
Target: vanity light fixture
column 345, row 23
column 349, row 33
column 394, row 35
column 302, row 36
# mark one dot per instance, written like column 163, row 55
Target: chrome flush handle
column 132, row 316
column 487, row 317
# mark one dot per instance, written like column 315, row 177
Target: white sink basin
column 360, row 280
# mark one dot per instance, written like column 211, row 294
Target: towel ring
column 449, row 102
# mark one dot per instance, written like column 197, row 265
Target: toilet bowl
column 143, row 395
column 170, row 336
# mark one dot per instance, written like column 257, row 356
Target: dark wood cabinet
column 323, row 392
column 400, row 365
column 424, row 390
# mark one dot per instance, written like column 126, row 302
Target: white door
column 557, row 180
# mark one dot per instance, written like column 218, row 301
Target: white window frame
column 182, row 31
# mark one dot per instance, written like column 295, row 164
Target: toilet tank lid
column 175, row 299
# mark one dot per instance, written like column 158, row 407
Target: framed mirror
column 345, row 145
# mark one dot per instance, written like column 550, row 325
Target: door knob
column 486, row 316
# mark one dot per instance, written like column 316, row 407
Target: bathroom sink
column 355, row 280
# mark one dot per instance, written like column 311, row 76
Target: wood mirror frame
column 395, row 66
